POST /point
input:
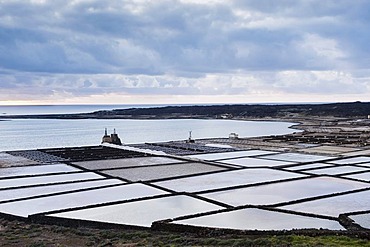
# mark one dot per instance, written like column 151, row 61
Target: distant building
column 190, row 139
column 233, row 136
column 113, row 138
column 226, row 116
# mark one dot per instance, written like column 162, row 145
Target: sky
column 184, row 51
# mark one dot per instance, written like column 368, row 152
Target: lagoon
column 21, row 134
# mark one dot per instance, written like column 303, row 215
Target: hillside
column 342, row 110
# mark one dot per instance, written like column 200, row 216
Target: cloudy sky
column 184, row 51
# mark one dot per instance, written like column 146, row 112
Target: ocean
column 21, row 134
column 61, row 109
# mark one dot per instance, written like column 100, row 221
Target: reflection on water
column 143, row 213
column 48, row 189
column 284, row 191
column 333, row 206
column 48, row 179
column 79, row 199
column 226, row 179
column 252, row 218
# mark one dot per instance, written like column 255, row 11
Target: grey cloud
column 172, row 47
column 96, row 37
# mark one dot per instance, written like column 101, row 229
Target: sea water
column 20, row 134
column 61, row 109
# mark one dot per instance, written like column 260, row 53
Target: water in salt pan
column 226, row 179
column 284, row 191
column 160, row 172
column 297, row 157
column 79, row 199
column 362, row 219
column 130, row 162
column 230, row 155
column 349, row 161
column 334, row 206
column 48, row 189
column 336, row 170
column 361, row 176
column 309, row 166
column 258, row 219
column 255, row 162
column 48, row 179
column 364, row 165
column 143, row 213
column 36, row 170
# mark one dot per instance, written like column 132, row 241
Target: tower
column 106, row 138
column 115, row 139
column 190, row 139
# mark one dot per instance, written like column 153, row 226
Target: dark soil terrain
column 18, row 233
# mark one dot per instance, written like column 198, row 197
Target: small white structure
column 233, row 136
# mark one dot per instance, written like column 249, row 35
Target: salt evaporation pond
column 365, row 176
column 364, row 164
column 309, row 166
column 49, row 189
column 131, row 162
column 226, row 179
column 79, row 199
column 160, row 172
column 143, row 213
column 258, row 219
column 284, row 191
column 36, row 170
column 333, row 206
column 230, row 155
column 362, row 219
column 48, row 179
column 351, row 161
column 295, row 157
column 255, row 162
column 337, row 170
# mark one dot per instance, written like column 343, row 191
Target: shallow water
column 362, row 219
column 296, row 157
column 48, row 179
column 309, row 166
column 122, row 163
column 48, row 189
column 41, row 133
column 284, row 191
column 255, row 162
column 349, row 161
column 79, row 199
column 160, row 172
column 143, row 213
column 334, row 206
column 36, row 170
column 226, row 179
column 253, row 218
column 337, row 170
column 229, row 155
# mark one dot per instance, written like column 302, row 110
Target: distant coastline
column 270, row 112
